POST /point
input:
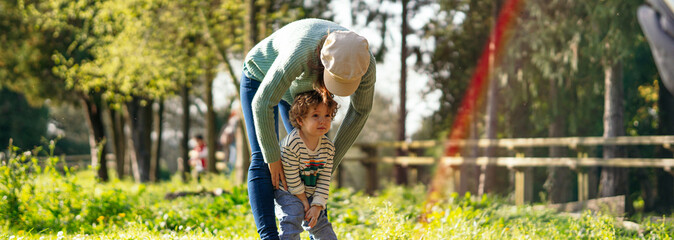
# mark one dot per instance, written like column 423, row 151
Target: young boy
column 306, row 154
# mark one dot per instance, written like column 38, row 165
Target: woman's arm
column 285, row 68
column 357, row 114
column 267, row 97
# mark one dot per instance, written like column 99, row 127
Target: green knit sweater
column 281, row 63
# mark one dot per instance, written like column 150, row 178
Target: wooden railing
column 84, row 160
column 368, row 155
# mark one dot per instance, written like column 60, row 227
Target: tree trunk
column 242, row 154
column 184, row 148
column 211, row 133
column 401, row 170
column 118, row 140
column 665, row 184
column 254, row 28
column 470, row 172
column 93, row 105
column 156, row 147
column 493, row 179
column 558, row 183
column 263, row 20
column 139, row 119
column 250, row 24
column 487, row 179
column 613, row 181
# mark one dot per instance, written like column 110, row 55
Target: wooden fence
column 368, row 155
column 84, row 160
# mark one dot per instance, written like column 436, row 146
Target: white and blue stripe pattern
column 308, row 171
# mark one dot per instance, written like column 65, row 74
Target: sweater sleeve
column 357, row 114
column 291, row 168
column 276, row 82
column 323, row 183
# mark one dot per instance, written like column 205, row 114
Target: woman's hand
column 276, row 170
column 312, row 215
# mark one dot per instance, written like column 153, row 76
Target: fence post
column 583, row 185
column 669, row 147
column 583, row 179
column 524, row 186
column 421, row 172
column 370, row 164
column 454, row 178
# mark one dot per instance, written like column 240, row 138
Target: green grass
column 42, row 203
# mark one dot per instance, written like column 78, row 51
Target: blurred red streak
column 475, row 92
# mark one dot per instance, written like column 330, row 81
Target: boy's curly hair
column 306, row 101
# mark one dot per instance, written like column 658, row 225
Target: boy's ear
column 299, row 122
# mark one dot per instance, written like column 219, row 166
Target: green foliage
column 20, row 121
column 453, row 62
column 46, row 202
column 551, row 71
column 39, row 196
column 25, row 59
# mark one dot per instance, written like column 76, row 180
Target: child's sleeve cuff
column 319, row 201
column 296, row 190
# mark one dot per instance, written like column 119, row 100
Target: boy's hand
column 305, row 202
column 306, row 205
column 312, row 215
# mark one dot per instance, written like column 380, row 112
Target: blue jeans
column 290, row 212
column 260, row 189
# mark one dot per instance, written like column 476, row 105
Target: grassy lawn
column 42, row 203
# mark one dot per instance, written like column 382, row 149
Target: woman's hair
column 316, row 65
column 305, row 102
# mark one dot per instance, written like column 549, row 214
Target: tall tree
column 464, row 30
column 665, row 180
column 69, row 30
column 401, row 170
column 488, row 173
column 613, row 34
column 557, row 68
column 157, row 145
column 127, row 62
column 185, row 130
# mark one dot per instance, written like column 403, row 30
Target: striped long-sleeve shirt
column 307, row 171
column 281, row 63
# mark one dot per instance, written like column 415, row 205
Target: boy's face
column 317, row 121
